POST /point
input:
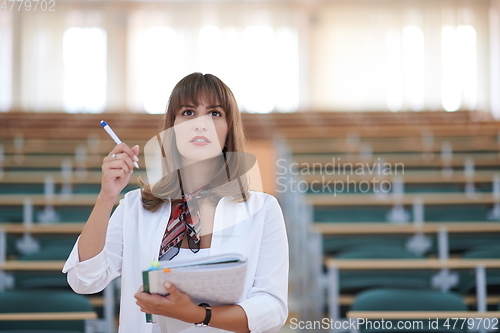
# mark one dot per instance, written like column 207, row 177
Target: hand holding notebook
column 217, row 280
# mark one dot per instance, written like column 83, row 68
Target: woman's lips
column 200, row 141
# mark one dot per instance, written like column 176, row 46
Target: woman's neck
column 199, row 174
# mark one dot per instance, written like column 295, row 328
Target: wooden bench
column 421, row 314
column 319, row 200
column 370, row 199
column 442, row 228
column 38, row 265
column 309, row 162
column 334, row 265
column 399, row 161
column 54, row 161
column 37, row 228
column 458, row 318
column 347, row 300
column 384, row 145
column 99, row 143
column 48, row 316
column 383, row 130
column 58, row 200
column 345, row 228
column 106, row 301
column 39, row 177
column 369, row 264
column 259, row 126
column 411, row 177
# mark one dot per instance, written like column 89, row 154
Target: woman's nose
column 200, row 125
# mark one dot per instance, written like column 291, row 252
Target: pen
column 114, row 137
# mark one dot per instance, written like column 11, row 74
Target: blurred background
column 375, row 123
column 284, row 56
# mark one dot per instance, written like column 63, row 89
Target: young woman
column 201, row 206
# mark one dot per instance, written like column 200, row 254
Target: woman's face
column 200, row 130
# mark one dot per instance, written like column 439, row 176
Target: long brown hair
column 227, row 181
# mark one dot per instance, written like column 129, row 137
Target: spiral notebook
column 216, row 280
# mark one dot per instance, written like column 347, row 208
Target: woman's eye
column 188, row 113
column 216, row 113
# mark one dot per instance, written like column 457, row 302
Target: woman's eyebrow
column 208, row 107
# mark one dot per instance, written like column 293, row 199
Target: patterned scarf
column 185, row 216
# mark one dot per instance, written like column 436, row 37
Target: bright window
column 84, row 55
column 270, row 70
column 414, row 67
column 405, row 69
column 394, row 86
column 258, row 63
column 5, row 62
column 161, row 62
column 458, row 68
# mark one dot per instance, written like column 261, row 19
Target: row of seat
column 364, row 142
column 33, row 253
column 438, row 231
column 35, row 268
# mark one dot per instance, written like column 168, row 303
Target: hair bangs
column 190, row 90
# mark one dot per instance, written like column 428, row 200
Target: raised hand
column 117, row 167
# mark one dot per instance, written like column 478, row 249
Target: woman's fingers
column 116, row 173
column 150, row 303
column 131, row 153
column 174, row 293
column 124, row 153
column 117, row 167
column 136, row 150
column 124, row 148
column 120, row 160
column 117, row 164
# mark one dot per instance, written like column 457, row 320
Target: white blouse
column 254, row 229
column 186, row 254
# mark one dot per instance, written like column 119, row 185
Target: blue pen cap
column 103, row 123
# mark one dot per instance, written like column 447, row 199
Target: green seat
column 11, row 246
column 468, row 278
column 465, row 243
column 338, row 244
column 350, row 214
column 16, row 301
column 375, row 251
column 433, row 213
column 66, row 241
column 55, row 252
column 355, row 281
column 485, row 253
column 498, row 330
column 38, row 331
column 14, row 214
column 409, row 300
column 487, row 246
column 455, row 213
column 48, row 279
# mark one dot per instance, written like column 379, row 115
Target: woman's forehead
column 201, row 99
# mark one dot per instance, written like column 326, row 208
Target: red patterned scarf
column 185, row 216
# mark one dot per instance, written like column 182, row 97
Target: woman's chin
column 200, row 156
